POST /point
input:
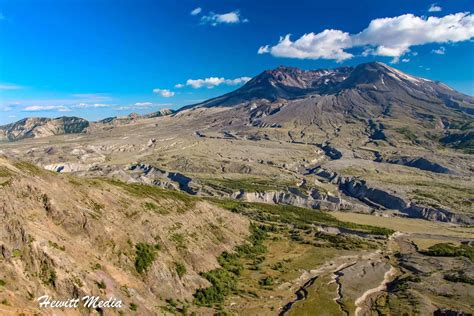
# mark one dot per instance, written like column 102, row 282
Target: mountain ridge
column 365, row 91
column 293, row 83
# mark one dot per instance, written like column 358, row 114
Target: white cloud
column 144, row 104
column 196, row 11
column 329, row 44
column 88, row 105
column 212, row 82
column 179, row 86
column 141, row 106
column 263, row 49
column 435, row 8
column 439, row 51
column 392, row 37
column 164, row 92
column 214, row 19
column 41, row 108
column 9, row 86
column 405, row 60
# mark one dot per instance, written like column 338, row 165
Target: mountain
column 42, row 127
column 228, row 206
column 33, row 127
column 379, row 101
column 367, row 89
column 134, row 116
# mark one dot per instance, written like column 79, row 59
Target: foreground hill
column 65, row 237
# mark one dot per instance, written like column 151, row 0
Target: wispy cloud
column 142, row 106
column 435, row 8
column 89, row 105
column 232, row 17
column 439, row 51
column 212, row 82
column 164, row 92
column 196, row 11
column 43, row 108
column 391, row 37
column 9, row 86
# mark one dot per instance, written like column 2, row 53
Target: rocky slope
column 42, row 127
column 65, row 237
column 366, row 90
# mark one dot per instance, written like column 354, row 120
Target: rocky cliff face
column 384, row 199
column 314, row 199
column 42, row 127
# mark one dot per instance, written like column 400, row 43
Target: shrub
column 180, row 269
column 144, row 256
column 224, row 280
column 133, row 306
column 450, row 250
column 101, row 285
column 266, row 281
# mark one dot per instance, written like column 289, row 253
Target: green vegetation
column 180, row 269
column 96, row 207
column 297, row 216
column 101, row 285
column 48, row 275
column 156, row 193
column 224, row 279
column 341, row 241
column 267, row 281
column 5, row 172
column 179, row 240
column 2, row 282
column 4, row 302
column 150, row 206
column 450, row 250
column 133, row 306
column 55, row 245
column 144, row 256
column 30, row 168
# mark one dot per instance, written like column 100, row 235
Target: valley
column 346, row 191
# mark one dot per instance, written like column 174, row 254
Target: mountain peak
column 364, row 80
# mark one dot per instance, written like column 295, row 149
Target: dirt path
column 362, row 300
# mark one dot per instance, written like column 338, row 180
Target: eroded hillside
column 64, row 237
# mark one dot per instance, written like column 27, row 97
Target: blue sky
column 99, row 58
